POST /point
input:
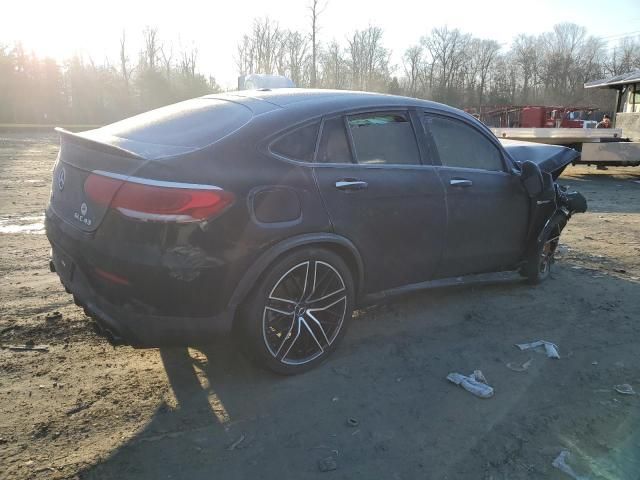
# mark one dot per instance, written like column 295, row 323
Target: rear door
column 383, row 194
column 487, row 207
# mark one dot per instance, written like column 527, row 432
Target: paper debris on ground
column 474, row 383
column 561, row 464
column 551, row 349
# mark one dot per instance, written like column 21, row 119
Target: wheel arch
column 336, row 243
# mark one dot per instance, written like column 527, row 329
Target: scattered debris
column 53, row 316
column 561, row 464
column 352, row 422
column 237, row 443
column 551, row 349
column 79, row 408
column 520, row 368
column 624, row 389
column 327, row 464
column 27, row 347
column 474, row 383
column 44, row 469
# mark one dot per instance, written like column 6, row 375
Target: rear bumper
column 122, row 325
column 127, row 320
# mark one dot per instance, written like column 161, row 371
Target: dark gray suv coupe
column 276, row 213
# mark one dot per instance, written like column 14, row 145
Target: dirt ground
column 84, row 409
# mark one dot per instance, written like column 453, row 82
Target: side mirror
column 532, row 179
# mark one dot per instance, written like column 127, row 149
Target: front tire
column 299, row 310
column 538, row 266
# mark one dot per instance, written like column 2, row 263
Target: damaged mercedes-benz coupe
column 276, row 213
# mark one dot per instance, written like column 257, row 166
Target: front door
column 382, row 194
column 487, row 207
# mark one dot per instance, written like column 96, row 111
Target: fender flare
column 250, row 277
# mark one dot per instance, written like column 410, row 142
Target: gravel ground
column 83, row 409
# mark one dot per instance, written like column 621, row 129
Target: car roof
column 314, row 101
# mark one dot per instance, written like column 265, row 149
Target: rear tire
column 538, row 264
column 299, row 311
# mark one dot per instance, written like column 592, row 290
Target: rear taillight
column 158, row 201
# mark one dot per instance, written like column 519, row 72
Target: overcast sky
column 59, row 28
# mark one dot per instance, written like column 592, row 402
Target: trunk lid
column 78, row 157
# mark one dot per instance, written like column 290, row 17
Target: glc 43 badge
column 82, row 216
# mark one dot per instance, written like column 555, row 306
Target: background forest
column 446, row 65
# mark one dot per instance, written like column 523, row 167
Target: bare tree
column 245, row 57
column 297, row 46
column 188, row 60
column 334, row 69
column 485, row 52
column 369, row 59
column 316, row 10
column 526, row 50
column 625, row 56
column 151, row 47
column 124, row 63
column 446, row 49
column 167, row 56
column 262, row 50
column 412, row 61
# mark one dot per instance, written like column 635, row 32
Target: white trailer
column 597, row 146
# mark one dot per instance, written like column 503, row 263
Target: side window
column 299, row 144
column 334, row 146
column 460, row 145
column 384, row 138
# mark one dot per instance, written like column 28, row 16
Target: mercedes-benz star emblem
column 61, row 177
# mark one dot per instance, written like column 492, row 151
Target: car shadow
column 380, row 407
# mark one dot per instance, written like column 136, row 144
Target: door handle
column 460, row 182
column 351, row 184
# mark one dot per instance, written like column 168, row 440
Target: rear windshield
column 194, row 123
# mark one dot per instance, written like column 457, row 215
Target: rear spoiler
column 95, row 144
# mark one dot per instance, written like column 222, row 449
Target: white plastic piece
column 624, row 389
column 479, row 376
column 561, row 464
column 551, row 349
column 474, row 383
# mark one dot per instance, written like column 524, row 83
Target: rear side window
column 334, row 146
column 300, row 144
column 384, row 138
column 462, row 146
